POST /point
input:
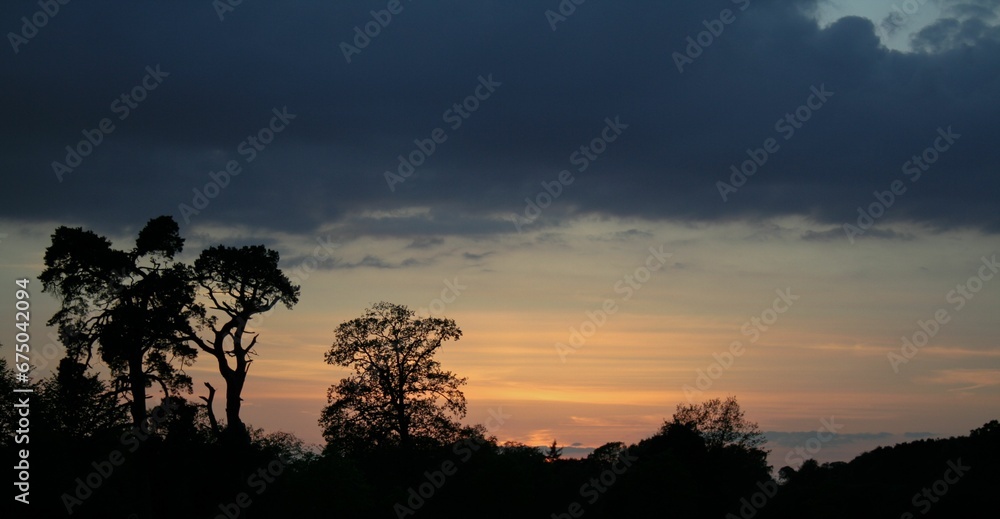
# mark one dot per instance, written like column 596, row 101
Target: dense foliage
column 675, row 472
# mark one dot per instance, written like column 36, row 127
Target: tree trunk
column 137, row 386
column 137, row 381
column 235, row 428
column 404, row 426
column 236, row 432
column 209, row 404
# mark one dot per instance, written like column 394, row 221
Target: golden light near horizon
column 667, row 343
column 664, row 338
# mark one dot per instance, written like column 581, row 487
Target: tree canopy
column 398, row 394
column 721, row 423
column 134, row 306
column 240, row 283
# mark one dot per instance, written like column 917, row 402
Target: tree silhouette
column 720, row 423
column 991, row 428
column 78, row 405
column 554, row 452
column 398, row 394
column 240, row 283
column 608, row 453
column 134, row 306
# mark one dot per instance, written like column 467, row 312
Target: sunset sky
column 563, row 187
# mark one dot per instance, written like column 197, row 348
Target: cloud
column 792, row 439
column 966, row 379
column 630, row 234
column 368, row 261
column 476, row 257
column 592, row 421
column 838, row 233
column 353, row 122
column 964, row 25
column 375, row 262
column 424, row 242
column 573, row 451
column 963, row 9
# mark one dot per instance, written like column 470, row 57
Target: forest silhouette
column 112, row 434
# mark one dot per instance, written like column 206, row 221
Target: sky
column 625, row 206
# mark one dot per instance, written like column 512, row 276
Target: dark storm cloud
column 838, row 234
column 368, row 261
column 556, row 90
column 964, row 23
column 376, row 262
column 424, row 242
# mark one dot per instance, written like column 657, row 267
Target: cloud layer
column 419, row 83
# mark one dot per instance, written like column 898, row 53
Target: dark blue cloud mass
column 823, row 117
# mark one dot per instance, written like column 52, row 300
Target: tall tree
column 134, row 306
column 239, row 283
column 398, row 393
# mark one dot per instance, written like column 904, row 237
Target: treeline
column 704, row 462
